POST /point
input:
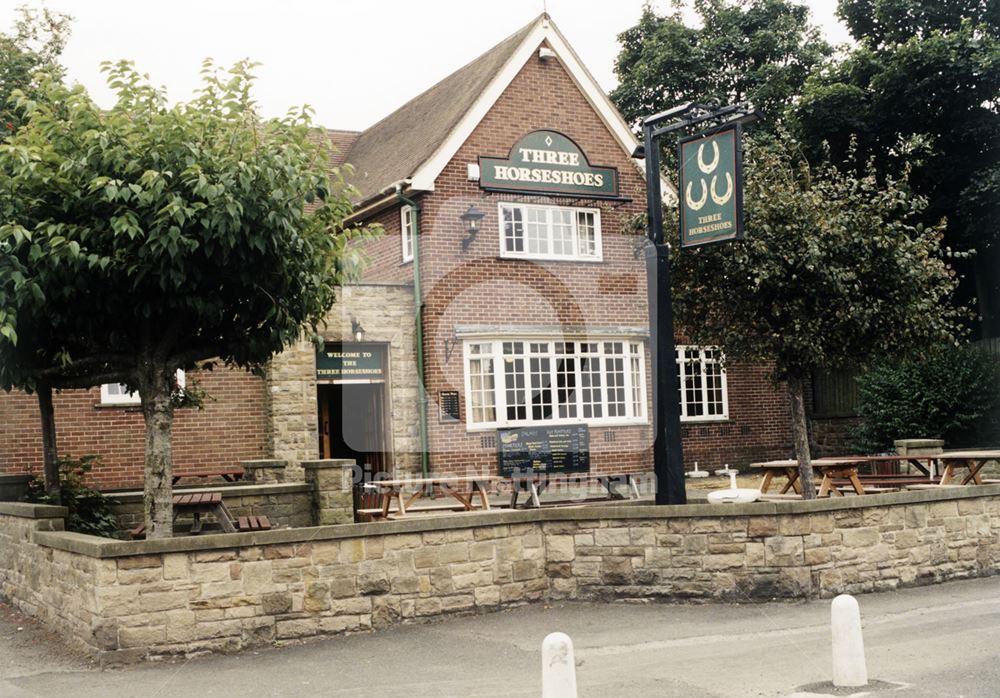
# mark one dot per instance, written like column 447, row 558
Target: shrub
column 943, row 396
column 89, row 510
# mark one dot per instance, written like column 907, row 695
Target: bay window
column 538, row 381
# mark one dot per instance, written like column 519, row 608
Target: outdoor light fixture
column 357, row 330
column 472, row 220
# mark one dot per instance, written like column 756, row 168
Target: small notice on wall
column 448, row 406
column 553, row 449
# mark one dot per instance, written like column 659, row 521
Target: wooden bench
column 536, row 483
column 253, row 523
column 227, row 474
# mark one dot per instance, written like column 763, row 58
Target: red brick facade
column 461, row 287
column 231, row 427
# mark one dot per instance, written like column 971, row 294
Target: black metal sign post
column 668, row 455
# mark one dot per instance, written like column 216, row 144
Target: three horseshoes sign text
column 711, row 187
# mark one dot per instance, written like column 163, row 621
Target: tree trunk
column 50, row 453
column 800, row 435
column 158, row 413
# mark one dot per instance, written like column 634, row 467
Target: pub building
column 508, row 291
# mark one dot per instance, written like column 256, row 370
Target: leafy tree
column 834, row 269
column 34, row 47
column 941, row 396
column 931, row 69
column 755, row 50
column 145, row 238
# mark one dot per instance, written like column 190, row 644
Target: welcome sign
column 547, row 162
column 711, row 187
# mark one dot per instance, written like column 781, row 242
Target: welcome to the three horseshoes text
column 712, row 222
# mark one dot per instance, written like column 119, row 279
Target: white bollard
column 849, row 668
column 558, row 667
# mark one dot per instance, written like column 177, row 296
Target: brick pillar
column 332, row 483
column 263, row 471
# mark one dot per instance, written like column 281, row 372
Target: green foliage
column 835, row 269
column 928, row 68
column 760, row 50
column 198, row 231
column 38, row 39
column 942, row 396
column 89, row 510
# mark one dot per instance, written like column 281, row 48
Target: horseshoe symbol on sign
column 719, row 200
column 715, row 161
column 692, row 204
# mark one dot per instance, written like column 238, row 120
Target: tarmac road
column 938, row 641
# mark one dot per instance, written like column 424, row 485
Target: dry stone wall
column 187, row 595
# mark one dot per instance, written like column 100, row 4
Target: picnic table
column 407, row 491
column 536, row 483
column 973, row 461
column 842, row 470
column 227, row 474
column 199, row 503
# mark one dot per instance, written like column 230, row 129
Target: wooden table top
column 446, row 480
column 970, row 455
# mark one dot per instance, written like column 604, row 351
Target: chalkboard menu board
column 553, row 449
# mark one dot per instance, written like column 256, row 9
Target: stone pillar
column 919, row 447
column 260, row 472
column 332, row 484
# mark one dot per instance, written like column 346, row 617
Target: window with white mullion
column 703, row 394
column 549, row 232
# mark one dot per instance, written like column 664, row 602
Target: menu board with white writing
column 552, row 449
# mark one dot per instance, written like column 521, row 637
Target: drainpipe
column 419, row 322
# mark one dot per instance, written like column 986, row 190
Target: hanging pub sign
column 347, row 362
column 547, row 162
column 711, row 187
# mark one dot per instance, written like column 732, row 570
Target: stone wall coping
column 16, row 477
column 242, row 490
column 270, row 463
column 94, row 546
column 918, row 443
column 33, row 510
column 328, row 463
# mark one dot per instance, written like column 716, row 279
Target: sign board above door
column 548, row 162
column 356, row 363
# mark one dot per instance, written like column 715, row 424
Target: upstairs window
column 703, row 384
column 406, row 222
column 550, row 232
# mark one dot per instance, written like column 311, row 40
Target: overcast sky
column 353, row 61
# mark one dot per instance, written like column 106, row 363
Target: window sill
column 555, row 260
column 705, row 420
column 118, row 405
column 593, row 425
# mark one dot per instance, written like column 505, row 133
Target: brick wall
column 476, row 286
column 230, row 428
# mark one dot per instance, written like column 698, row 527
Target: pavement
column 929, row 642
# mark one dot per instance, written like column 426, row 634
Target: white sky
column 353, row 61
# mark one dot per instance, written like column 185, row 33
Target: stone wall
column 284, row 504
column 386, row 313
column 226, row 592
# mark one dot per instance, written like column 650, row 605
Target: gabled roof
column 397, row 145
column 416, row 142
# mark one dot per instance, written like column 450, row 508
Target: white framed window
column 118, row 394
column 512, row 382
column 704, row 396
column 550, row 232
column 406, row 222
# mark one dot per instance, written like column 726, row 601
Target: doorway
column 354, row 425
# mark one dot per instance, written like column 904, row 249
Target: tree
column 834, row 269
column 34, row 47
column 146, row 238
column 931, row 69
column 759, row 51
column 31, row 51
